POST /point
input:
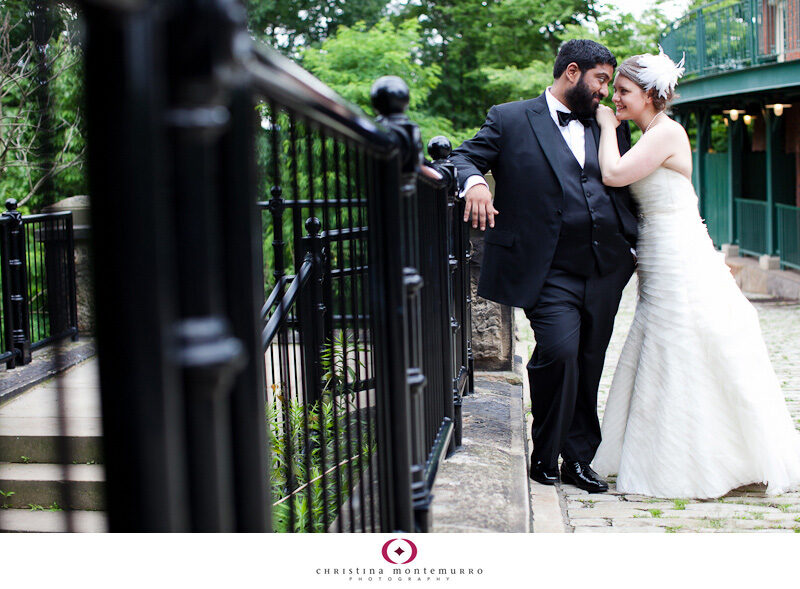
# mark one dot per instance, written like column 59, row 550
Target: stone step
column 49, row 448
column 26, row 520
column 43, row 485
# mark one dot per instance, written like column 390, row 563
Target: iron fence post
column 439, row 149
column 701, row 41
column 15, row 287
column 59, row 274
column 244, row 291
column 312, row 313
column 134, row 269
column 390, row 97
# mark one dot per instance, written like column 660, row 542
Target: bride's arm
column 652, row 149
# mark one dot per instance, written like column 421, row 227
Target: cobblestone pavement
column 746, row 509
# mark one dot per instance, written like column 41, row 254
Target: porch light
column 748, row 119
column 733, row 113
column 778, row 108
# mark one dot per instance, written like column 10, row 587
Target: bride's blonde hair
column 631, row 69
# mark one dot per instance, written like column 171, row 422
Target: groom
column 558, row 246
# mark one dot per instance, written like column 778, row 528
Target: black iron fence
column 37, row 274
column 352, row 435
column 336, row 333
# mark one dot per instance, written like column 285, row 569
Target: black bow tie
column 565, row 117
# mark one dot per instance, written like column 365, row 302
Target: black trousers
column 572, row 322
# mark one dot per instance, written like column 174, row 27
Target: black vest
column 591, row 233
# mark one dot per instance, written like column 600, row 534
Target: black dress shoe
column 582, row 476
column 545, row 476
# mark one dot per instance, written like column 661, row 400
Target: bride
column 694, row 409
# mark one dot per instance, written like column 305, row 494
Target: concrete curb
column 482, row 486
column 545, row 502
column 751, row 277
column 46, row 364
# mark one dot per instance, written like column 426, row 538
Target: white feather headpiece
column 660, row 72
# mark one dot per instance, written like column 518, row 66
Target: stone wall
column 79, row 206
column 492, row 324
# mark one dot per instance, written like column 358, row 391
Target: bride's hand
column 605, row 116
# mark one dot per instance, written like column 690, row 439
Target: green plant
column 320, row 449
column 672, row 529
column 5, row 495
column 25, row 459
column 680, row 504
column 310, row 447
column 715, row 523
column 35, row 507
column 655, row 512
column 341, row 361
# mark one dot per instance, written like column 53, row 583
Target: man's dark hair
column 584, row 52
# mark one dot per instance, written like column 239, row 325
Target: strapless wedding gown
column 695, row 408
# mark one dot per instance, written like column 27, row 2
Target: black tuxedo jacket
column 519, row 144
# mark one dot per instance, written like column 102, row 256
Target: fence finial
column 389, row 95
column 313, row 225
column 11, row 204
column 439, row 148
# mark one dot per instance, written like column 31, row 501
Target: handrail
column 729, row 34
column 702, row 8
column 273, row 296
column 286, row 82
column 47, row 215
column 288, row 299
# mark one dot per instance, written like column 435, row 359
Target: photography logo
column 399, row 551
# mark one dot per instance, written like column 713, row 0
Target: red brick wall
column 767, row 41
column 792, row 29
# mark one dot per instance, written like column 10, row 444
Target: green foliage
column 289, row 25
column 512, row 83
column 5, row 495
column 307, row 441
column 464, row 36
column 339, row 360
column 319, row 449
column 458, row 56
column 33, row 114
column 352, row 60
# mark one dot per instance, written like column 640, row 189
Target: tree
column 465, row 37
column 290, row 25
column 41, row 140
column 624, row 35
column 354, row 58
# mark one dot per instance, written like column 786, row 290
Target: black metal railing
column 337, row 331
column 37, row 273
column 338, row 444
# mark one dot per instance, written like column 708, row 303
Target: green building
column 740, row 102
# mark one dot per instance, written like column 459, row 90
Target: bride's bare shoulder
column 669, row 128
column 669, row 138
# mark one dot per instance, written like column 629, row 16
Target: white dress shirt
column 573, row 133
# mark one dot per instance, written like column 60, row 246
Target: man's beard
column 580, row 99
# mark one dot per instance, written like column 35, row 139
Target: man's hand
column 479, row 206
